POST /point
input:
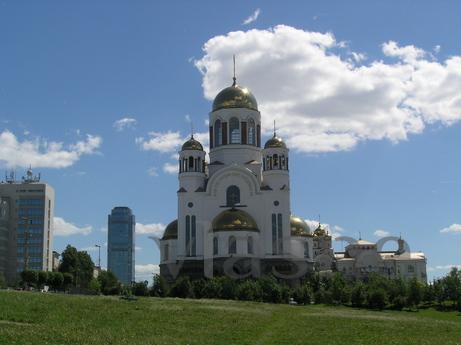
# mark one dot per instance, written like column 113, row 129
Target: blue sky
column 366, row 94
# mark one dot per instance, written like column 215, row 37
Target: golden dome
column 275, row 142
column 299, row 227
column 320, row 231
column 192, row 144
column 234, row 220
column 171, row 231
column 235, row 97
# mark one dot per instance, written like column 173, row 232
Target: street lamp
column 99, row 255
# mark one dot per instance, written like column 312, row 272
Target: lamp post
column 99, row 255
column 26, row 243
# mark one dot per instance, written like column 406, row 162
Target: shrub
column 159, row 287
column 302, row 294
column 29, row 278
column 55, row 280
column 399, row 302
column 198, row 286
column 212, row 288
column 270, row 290
column 140, row 289
column 42, row 278
column 358, row 295
column 109, row 283
column 415, row 293
column 249, row 290
column 377, row 298
column 182, row 288
column 95, row 286
column 2, row 281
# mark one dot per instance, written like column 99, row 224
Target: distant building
column 26, row 225
column 362, row 258
column 56, row 261
column 121, row 244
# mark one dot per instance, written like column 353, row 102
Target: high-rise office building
column 26, row 225
column 121, row 244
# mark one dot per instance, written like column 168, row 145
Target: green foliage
column 55, row 280
column 249, row 290
column 29, row 278
column 159, row 287
column 213, row 288
column 358, row 295
column 42, row 278
column 377, row 298
column 95, row 286
column 415, row 293
column 270, row 289
column 109, row 283
column 67, row 280
column 140, row 289
column 182, row 288
column 79, row 264
column 302, row 294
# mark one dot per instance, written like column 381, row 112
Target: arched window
column 306, row 249
column 191, row 234
column 191, row 163
column 217, row 133
column 276, row 160
column 282, row 162
column 251, row 132
column 232, row 196
column 234, row 130
column 232, row 245
column 250, row 245
column 215, row 246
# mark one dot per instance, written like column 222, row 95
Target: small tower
column 275, row 164
column 191, row 166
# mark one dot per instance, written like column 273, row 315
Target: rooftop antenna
column 192, row 129
column 275, row 132
column 234, row 78
column 360, row 235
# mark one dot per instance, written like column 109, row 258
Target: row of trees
column 376, row 292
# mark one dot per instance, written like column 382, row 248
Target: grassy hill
column 34, row 318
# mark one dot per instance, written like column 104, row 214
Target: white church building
column 234, row 213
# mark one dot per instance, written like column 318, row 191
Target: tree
column 270, row 289
column 109, row 283
column 140, row 289
column 42, row 278
column 249, row 290
column 159, row 287
column 415, row 293
column 55, row 280
column 29, row 278
column 95, row 286
column 79, row 264
column 377, row 298
column 358, row 295
column 67, row 280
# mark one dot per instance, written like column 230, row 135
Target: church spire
column 234, row 78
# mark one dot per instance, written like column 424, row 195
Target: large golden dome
column 171, row 231
column 234, row 220
column 235, row 97
column 299, row 227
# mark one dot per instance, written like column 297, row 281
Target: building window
column 251, row 132
column 215, row 246
column 277, row 234
column 306, row 249
column 217, row 133
column 411, row 269
column 191, row 232
column 191, row 163
column 232, row 245
column 250, row 245
column 234, row 130
column 233, row 196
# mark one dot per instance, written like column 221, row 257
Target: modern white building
column 234, row 214
column 26, row 225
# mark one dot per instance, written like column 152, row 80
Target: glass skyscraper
column 121, row 244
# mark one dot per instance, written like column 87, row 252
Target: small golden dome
column 235, row 97
column 320, row 231
column 275, row 143
column 234, row 220
column 299, row 227
column 192, row 144
column 171, row 231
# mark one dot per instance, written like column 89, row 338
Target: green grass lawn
column 34, row 318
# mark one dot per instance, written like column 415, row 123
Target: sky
column 99, row 96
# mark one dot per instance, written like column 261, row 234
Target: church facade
column 234, row 213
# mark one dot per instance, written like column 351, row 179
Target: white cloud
column 252, row 18
column 124, row 123
column 41, row 153
column 382, row 233
column 170, row 168
column 63, row 228
column 454, row 228
column 138, row 249
column 89, row 249
column 443, row 268
column 146, row 272
column 161, row 142
column 323, row 102
column 153, row 228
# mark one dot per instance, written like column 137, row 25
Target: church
column 234, row 214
